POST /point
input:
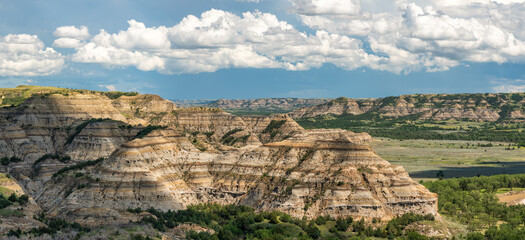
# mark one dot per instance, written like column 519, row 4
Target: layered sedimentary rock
column 476, row 107
column 57, row 110
column 99, row 139
column 23, row 219
column 143, row 109
column 337, row 107
column 315, row 173
column 200, row 155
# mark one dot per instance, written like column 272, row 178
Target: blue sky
column 265, row 48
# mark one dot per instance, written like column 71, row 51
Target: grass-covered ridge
column 16, row 96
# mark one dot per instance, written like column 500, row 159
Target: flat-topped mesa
column 315, row 173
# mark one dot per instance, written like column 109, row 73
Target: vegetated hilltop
column 256, row 106
column 88, row 157
column 11, row 97
column 489, row 107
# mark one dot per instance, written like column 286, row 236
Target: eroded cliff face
column 315, row 173
column 23, row 220
column 476, row 107
column 202, row 155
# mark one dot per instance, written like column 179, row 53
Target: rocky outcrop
column 338, row 106
column 105, row 160
column 56, row 110
column 16, row 216
column 99, row 140
column 144, row 109
column 315, row 173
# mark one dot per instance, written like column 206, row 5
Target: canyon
column 89, row 156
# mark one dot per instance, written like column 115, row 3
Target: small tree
column 313, row 231
column 440, row 175
column 13, row 198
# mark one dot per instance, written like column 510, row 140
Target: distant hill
column 254, row 106
column 487, row 107
column 11, row 97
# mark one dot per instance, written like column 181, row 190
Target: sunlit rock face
column 202, row 156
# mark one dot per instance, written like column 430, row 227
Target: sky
column 233, row 49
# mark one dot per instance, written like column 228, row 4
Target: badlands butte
column 486, row 107
column 88, row 156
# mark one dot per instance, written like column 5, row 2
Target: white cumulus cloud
column 400, row 36
column 433, row 35
column 326, row 7
column 71, row 36
column 81, row 33
column 219, row 39
column 508, row 85
column 26, row 55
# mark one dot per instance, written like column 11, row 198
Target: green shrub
column 62, row 159
column 147, row 130
column 274, row 124
column 80, row 127
column 117, row 94
column 6, row 160
column 78, row 166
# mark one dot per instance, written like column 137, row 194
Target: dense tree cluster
column 8, row 201
column 472, row 201
column 409, row 127
column 6, row 160
column 117, row 94
column 241, row 222
column 147, row 130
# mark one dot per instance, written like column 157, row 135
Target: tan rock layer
column 304, row 173
column 302, row 176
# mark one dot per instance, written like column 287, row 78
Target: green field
column 424, row 158
column 409, row 127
